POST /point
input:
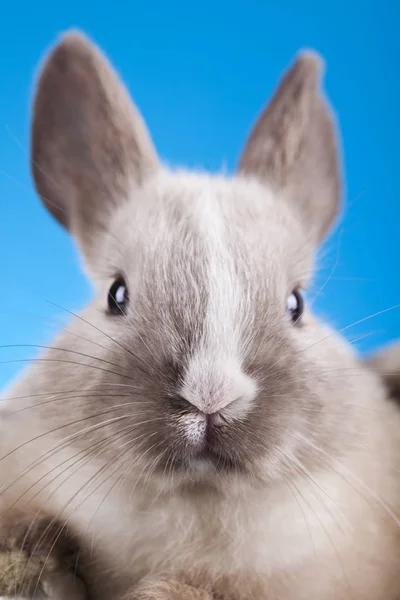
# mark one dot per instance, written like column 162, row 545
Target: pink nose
column 213, row 419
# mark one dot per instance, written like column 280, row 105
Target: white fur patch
column 214, row 380
column 194, row 427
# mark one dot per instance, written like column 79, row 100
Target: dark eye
column 295, row 306
column 118, row 297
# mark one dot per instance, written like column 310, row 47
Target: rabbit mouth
column 206, row 461
column 213, row 450
column 212, row 457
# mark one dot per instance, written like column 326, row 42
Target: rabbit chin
column 202, row 465
column 204, row 461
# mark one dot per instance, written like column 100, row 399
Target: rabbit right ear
column 293, row 147
column 89, row 145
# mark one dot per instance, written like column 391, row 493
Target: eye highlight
column 118, row 297
column 295, row 306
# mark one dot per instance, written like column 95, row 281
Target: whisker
column 301, row 469
column 58, row 428
column 66, row 441
column 126, row 385
column 145, row 465
column 84, row 500
column 67, row 350
column 116, row 482
column 332, row 270
column 341, row 467
column 87, row 452
column 88, row 482
column 290, row 484
column 70, row 362
column 79, row 397
column 49, row 454
column 363, row 320
column 312, row 483
column 88, row 457
column 59, row 324
column 143, row 366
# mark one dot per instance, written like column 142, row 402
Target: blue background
column 200, row 73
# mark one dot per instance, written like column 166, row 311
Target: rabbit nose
column 215, row 384
column 210, row 418
column 201, row 428
column 214, row 419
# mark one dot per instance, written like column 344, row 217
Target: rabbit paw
column 167, row 590
column 38, row 558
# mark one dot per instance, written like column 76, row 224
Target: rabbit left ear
column 90, row 147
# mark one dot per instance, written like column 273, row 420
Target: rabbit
column 202, row 434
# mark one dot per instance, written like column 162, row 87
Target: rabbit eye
column 118, row 297
column 295, row 306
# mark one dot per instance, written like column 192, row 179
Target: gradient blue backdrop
column 200, row 73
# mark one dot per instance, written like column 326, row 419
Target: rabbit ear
column 293, row 146
column 89, row 145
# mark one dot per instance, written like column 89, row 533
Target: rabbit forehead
column 208, row 220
